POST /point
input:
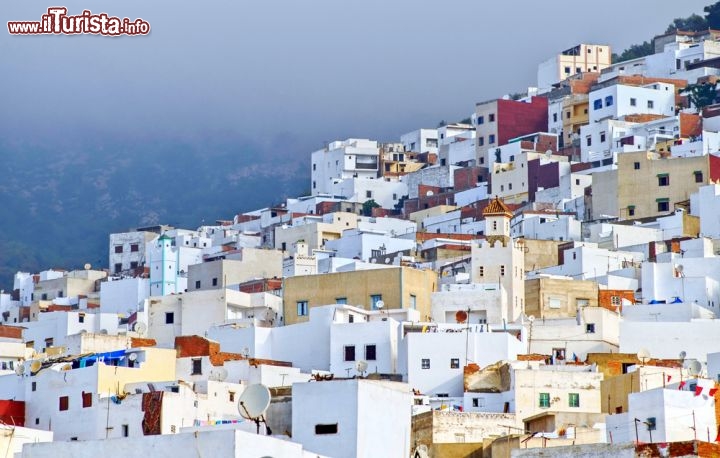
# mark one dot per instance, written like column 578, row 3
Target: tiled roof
column 497, row 207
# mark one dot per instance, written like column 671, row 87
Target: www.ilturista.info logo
column 57, row 22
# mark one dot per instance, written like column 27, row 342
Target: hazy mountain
column 60, row 200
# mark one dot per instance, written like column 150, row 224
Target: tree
column 367, row 207
column 635, row 51
column 701, row 95
column 712, row 15
column 693, row 23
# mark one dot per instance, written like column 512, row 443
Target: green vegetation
column 692, row 23
column 701, row 95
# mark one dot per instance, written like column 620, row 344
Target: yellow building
column 647, row 184
column 558, row 297
column 574, row 115
column 396, row 287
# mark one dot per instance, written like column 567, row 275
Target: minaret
column 163, row 268
column 500, row 259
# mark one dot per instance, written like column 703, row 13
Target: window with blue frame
column 608, row 101
column 597, row 104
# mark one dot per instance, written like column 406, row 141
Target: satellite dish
column 461, row 316
column 254, row 401
column 643, row 355
column 60, row 367
column 694, row 367
column 531, row 318
column 682, row 354
column 361, row 366
column 87, row 266
column 20, row 369
column 140, row 328
column 35, row 366
column 219, row 374
column 548, row 152
column 132, row 356
column 379, row 304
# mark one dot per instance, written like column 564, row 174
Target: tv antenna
column 253, row 403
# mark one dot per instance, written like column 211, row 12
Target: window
column 197, row 284
column 698, row 176
column 544, row 400
column 554, row 117
column 455, row 363
column 663, row 205
column 34, row 386
column 636, row 165
column 314, row 166
column 196, row 366
column 481, row 141
column 425, row 363
column 302, row 308
column 631, row 210
column 231, row 396
column 370, row 352
column 134, row 248
column 608, row 101
column 512, row 159
column 125, row 430
column 368, row 194
column 491, row 138
column 502, row 270
column 133, row 264
column 374, row 300
column 480, row 120
column 602, row 137
column 169, row 317
column 326, row 429
column 651, row 104
column 663, row 179
column 597, row 104
column 64, row 403
column 567, row 115
column 590, row 328
column 349, row 354
column 118, row 267
column 214, row 282
column 81, row 317
column 491, row 117
column 578, row 70
column 567, row 70
column 481, row 271
column 573, row 399
column 49, row 342
column 86, row 399
column 413, row 301
column 315, row 183
column 615, row 300
column 478, row 402
column 341, row 300
column 118, row 248
column 588, row 140
column 633, row 101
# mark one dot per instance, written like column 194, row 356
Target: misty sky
column 309, row 70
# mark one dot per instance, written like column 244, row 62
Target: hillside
column 60, row 201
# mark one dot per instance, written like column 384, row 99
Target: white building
column 667, row 415
column 351, row 158
column 352, row 418
column 421, row 141
column 619, row 100
column 127, row 250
